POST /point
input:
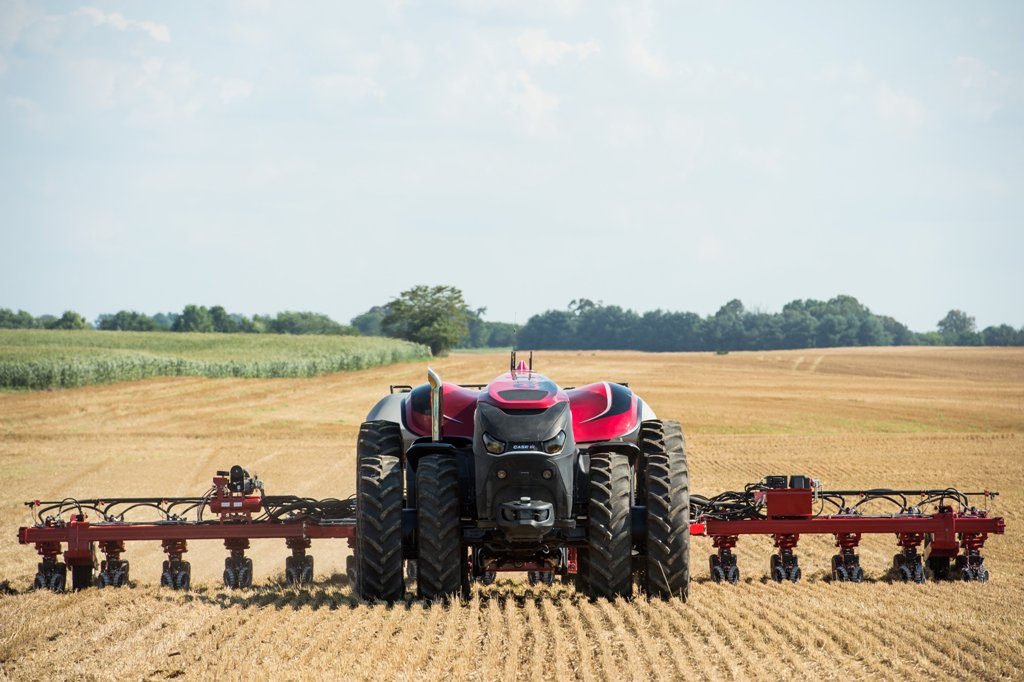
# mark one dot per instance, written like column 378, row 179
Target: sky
column 326, row 156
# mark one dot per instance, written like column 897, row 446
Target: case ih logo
column 522, row 446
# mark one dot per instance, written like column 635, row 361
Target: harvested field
column 852, row 417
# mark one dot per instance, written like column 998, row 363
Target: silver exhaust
column 436, row 407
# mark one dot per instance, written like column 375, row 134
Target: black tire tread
column 667, row 488
column 379, row 511
column 609, row 527
column 438, row 532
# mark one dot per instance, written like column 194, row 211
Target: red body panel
column 523, row 391
column 459, row 407
column 600, row 411
column 599, row 414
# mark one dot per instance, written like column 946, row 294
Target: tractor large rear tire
column 440, row 556
column 379, row 511
column 667, row 498
column 609, row 528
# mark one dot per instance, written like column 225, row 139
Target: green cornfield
column 41, row 359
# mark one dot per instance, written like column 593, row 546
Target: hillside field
column 855, row 418
column 43, row 358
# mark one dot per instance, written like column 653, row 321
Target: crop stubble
column 866, row 417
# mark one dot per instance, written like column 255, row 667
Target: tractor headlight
column 553, row 446
column 492, row 444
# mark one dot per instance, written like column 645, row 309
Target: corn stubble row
column 42, row 359
column 507, row 632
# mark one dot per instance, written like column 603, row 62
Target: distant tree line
column 193, row 318
column 440, row 318
column 24, row 320
column 841, row 321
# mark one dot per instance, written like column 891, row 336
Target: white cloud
column 535, row 105
column 232, row 89
column 23, row 104
column 763, row 160
column 973, row 74
column 686, row 137
column 14, row 18
column 639, row 23
column 3, row 66
column 627, row 128
column 27, row 111
column 858, row 88
column 347, row 87
column 149, row 93
column 645, row 61
column 983, row 88
column 899, row 107
column 538, row 48
column 855, row 72
column 98, row 83
column 158, row 32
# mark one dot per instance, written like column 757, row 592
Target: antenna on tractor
column 512, row 363
column 531, row 360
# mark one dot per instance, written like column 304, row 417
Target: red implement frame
column 946, row 534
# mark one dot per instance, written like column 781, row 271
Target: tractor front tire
column 609, row 551
column 667, row 499
column 379, row 512
column 440, row 556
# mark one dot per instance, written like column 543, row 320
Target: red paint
column 938, row 524
column 789, row 502
column 459, row 407
column 786, row 540
column 590, row 424
column 511, row 383
column 847, row 540
column 589, row 405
